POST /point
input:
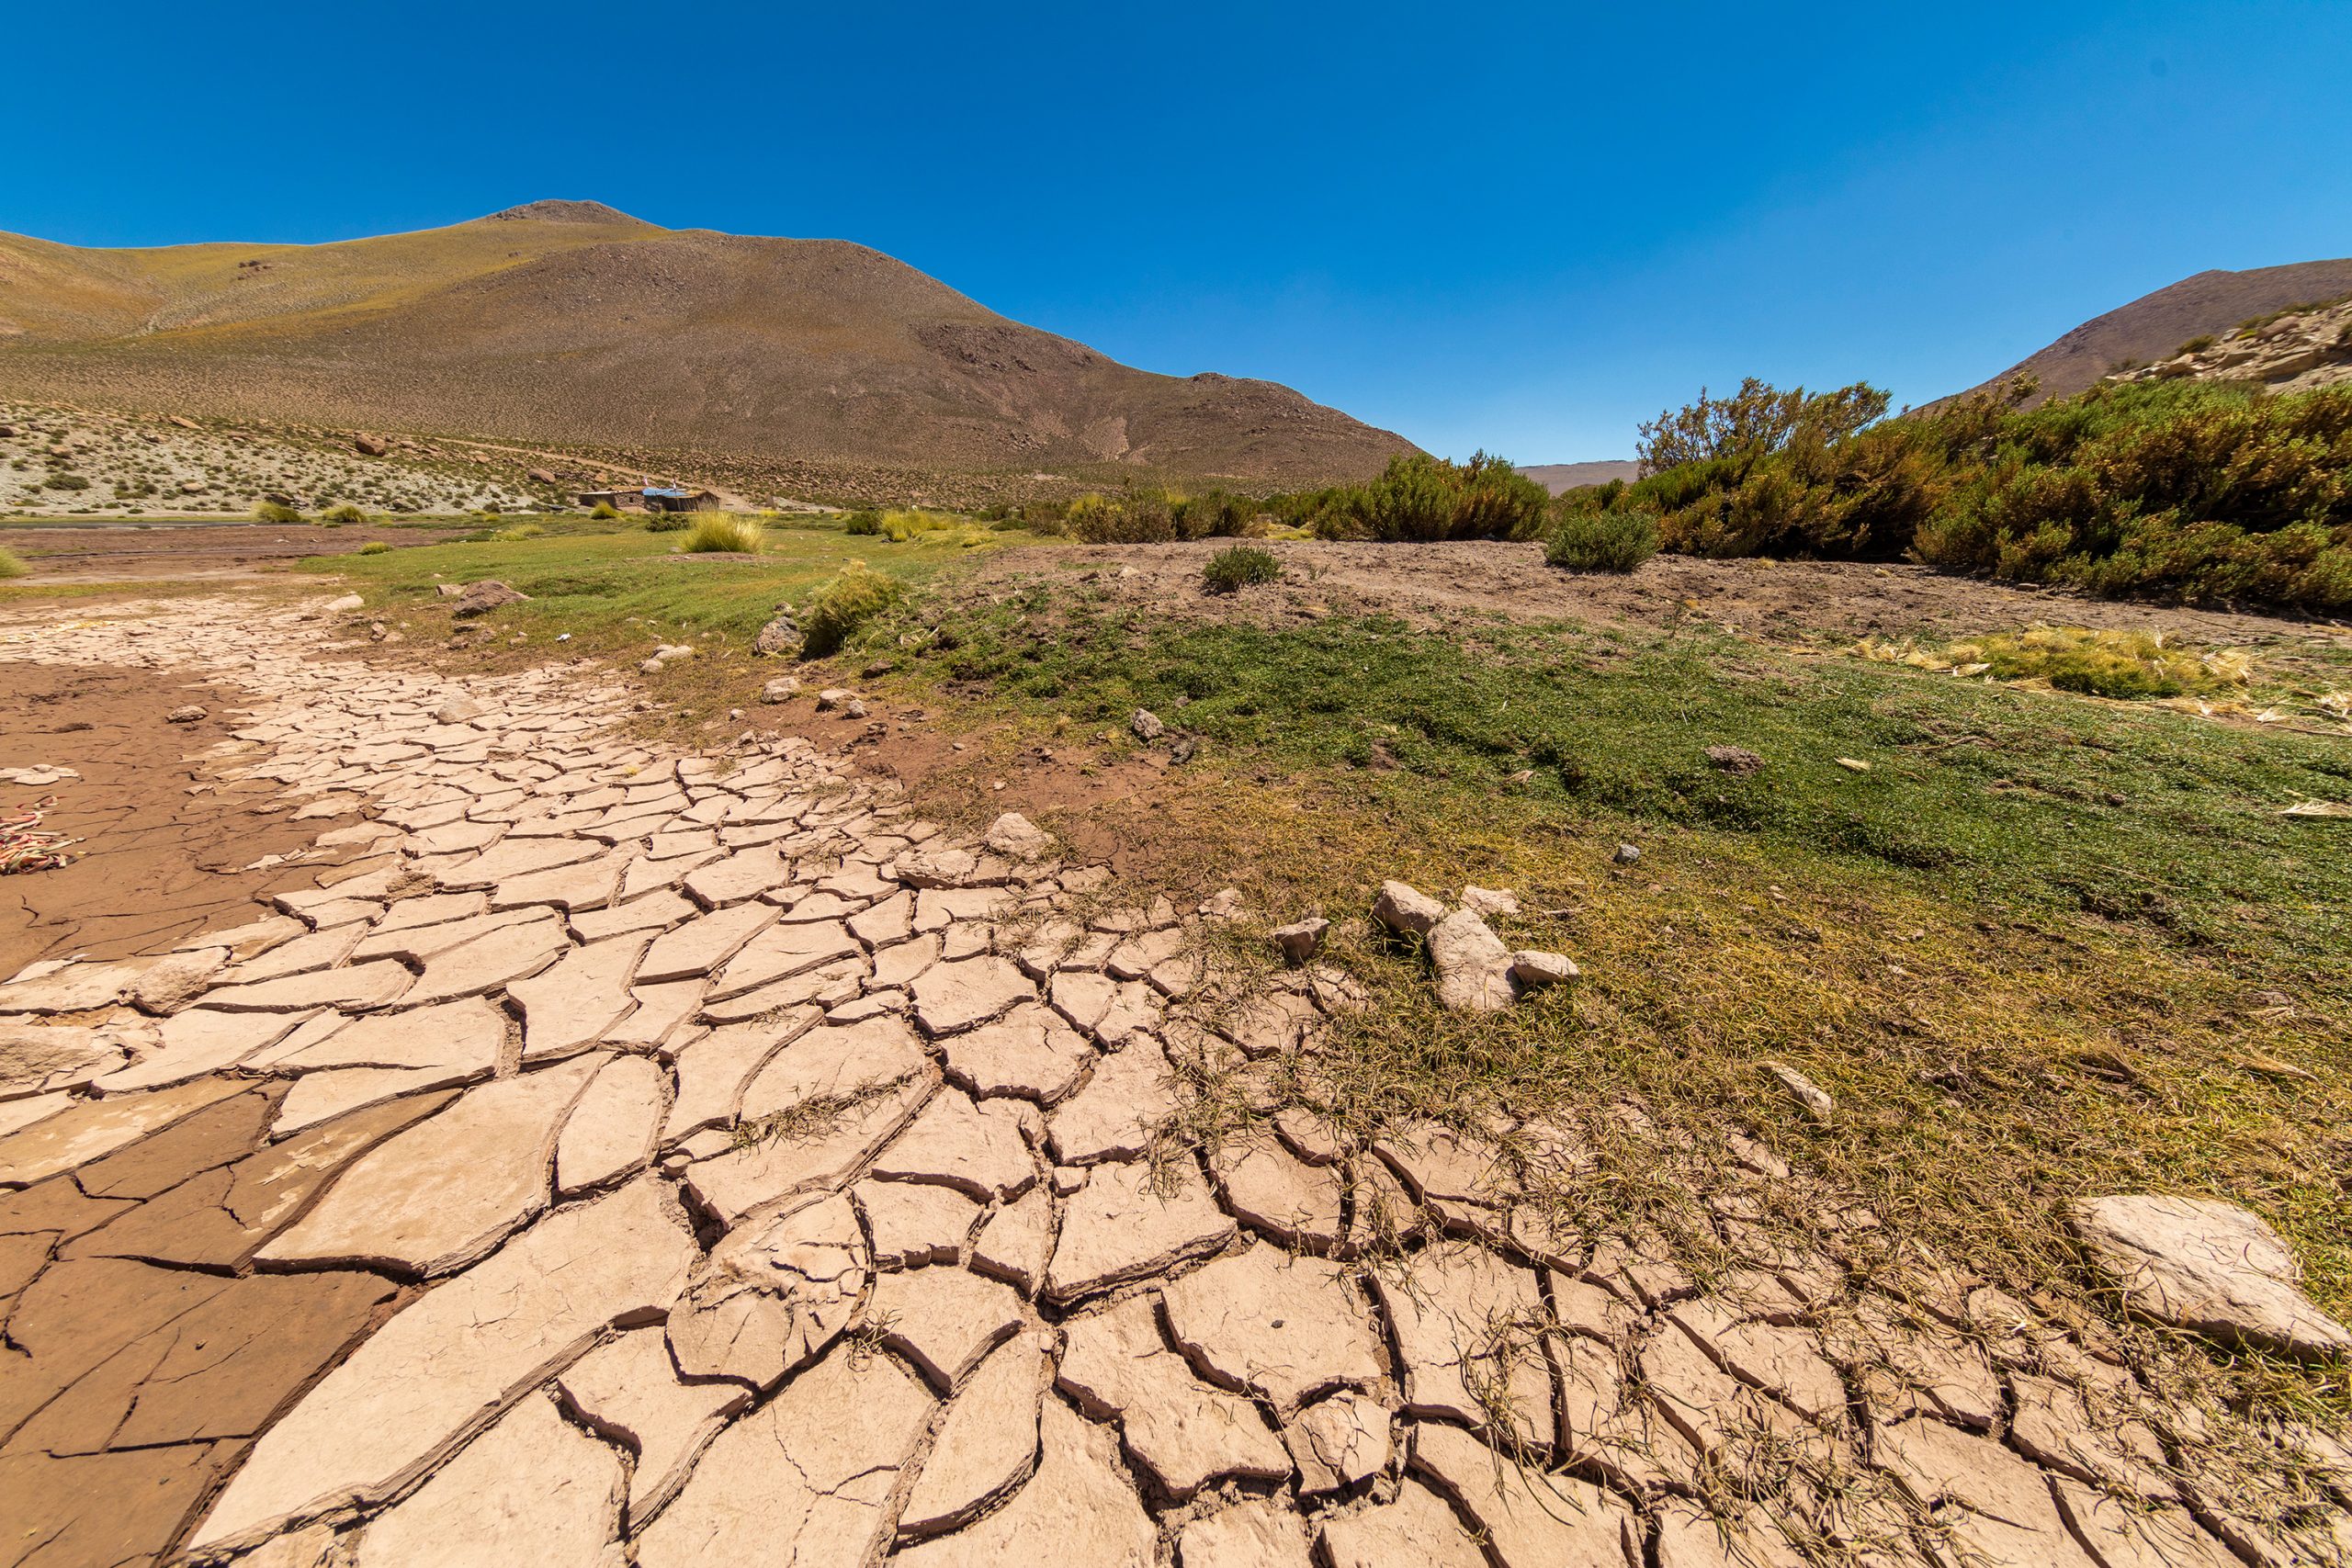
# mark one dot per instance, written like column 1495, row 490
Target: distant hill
column 2153, row 326
column 565, row 322
column 1559, row 478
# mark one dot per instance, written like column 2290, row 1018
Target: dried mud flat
column 1429, row 584
column 102, row 552
column 622, row 1156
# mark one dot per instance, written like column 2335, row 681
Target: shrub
column 723, row 532
column 1421, row 498
column 904, row 523
column 1237, row 566
column 276, row 511
column 1617, row 539
column 864, row 522
column 842, row 606
column 65, row 481
column 10, row 566
column 347, row 512
column 518, row 533
column 2196, row 344
column 375, row 547
column 605, row 512
column 667, row 522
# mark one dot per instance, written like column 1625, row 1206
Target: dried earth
column 619, row 1156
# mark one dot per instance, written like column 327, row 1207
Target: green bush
column 1616, row 540
column 375, row 547
column 904, row 523
column 1420, row 498
column 1237, row 566
column 864, row 522
column 276, row 511
column 845, row 603
column 518, row 533
column 347, row 512
column 715, row 532
column 65, row 481
column 10, row 566
column 667, row 522
column 605, row 512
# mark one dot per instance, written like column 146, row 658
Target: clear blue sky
column 1521, row 227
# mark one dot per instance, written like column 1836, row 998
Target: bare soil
column 157, row 863
column 109, row 553
column 1435, row 584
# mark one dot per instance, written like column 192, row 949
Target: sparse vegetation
column 65, row 481
column 863, row 523
column 520, row 531
column 723, row 533
column 1613, row 540
column 276, row 511
column 1237, row 566
column 2103, row 663
column 605, row 512
column 11, row 565
column 667, row 522
column 347, row 512
column 2196, row 344
column 841, row 606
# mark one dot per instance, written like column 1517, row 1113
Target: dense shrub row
column 2204, row 491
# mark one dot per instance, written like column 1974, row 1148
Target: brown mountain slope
column 570, row 322
column 1559, row 478
column 2155, row 325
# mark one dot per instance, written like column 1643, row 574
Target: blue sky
column 1525, row 228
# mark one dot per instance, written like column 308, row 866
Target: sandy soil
column 1427, row 585
column 157, row 863
column 99, row 553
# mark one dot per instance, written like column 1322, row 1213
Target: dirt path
column 1790, row 600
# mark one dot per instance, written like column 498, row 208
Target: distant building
column 681, row 500
column 613, row 497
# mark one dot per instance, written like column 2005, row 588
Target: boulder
column 1147, row 724
column 345, row 604
column 1016, row 838
column 778, row 638
column 784, row 688
column 480, row 598
column 369, row 445
column 540, row 477
column 1473, row 968
column 2209, row 1267
column 1407, row 910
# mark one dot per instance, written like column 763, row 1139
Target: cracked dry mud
column 622, row 1157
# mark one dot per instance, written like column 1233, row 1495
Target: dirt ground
column 1427, row 585
column 124, row 551
column 156, row 864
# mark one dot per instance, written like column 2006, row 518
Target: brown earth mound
column 570, row 322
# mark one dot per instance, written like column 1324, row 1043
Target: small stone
column 1146, row 725
column 1016, row 838
column 479, row 598
column 1534, row 968
column 1302, row 940
column 1626, row 854
column 1490, row 900
column 1734, row 758
column 783, row 689
column 2212, row 1268
column 1814, row 1099
column 1406, row 910
column 832, row 697
column 190, row 712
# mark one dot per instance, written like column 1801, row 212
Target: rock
column 832, row 697
column 627, row 1389
column 803, row 1480
column 176, row 979
column 987, row 1445
column 459, row 710
column 1490, row 901
column 1473, row 968
column 189, row 713
column 480, row 598
column 1265, row 1323
column 1734, row 758
column 1016, row 838
column 1339, row 1442
column 1804, row 1090
column 783, row 689
column 539, row 476
column 533, row 1488
column 1302, row 940
column 1626, row 854
column 448, row 1362
column 1532, row 968
column 445, row 1192
column 1184, row 747
column 855, row 708
column 367, row 446
column 1078, row 1510
column 1120, row 1228
column 2209, row 1266
column 1184, row 1432
column 1406, row 910
column 1146, row 725
column 776, row 638
column 769, row 1300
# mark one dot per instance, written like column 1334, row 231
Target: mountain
column 569, row 323
column 1560, row 478
column 2154, row 326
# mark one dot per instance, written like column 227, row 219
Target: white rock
column 2209, row 1266
column 1406, row 910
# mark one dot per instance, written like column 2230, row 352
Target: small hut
column 681, row 500
column 611, row 498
